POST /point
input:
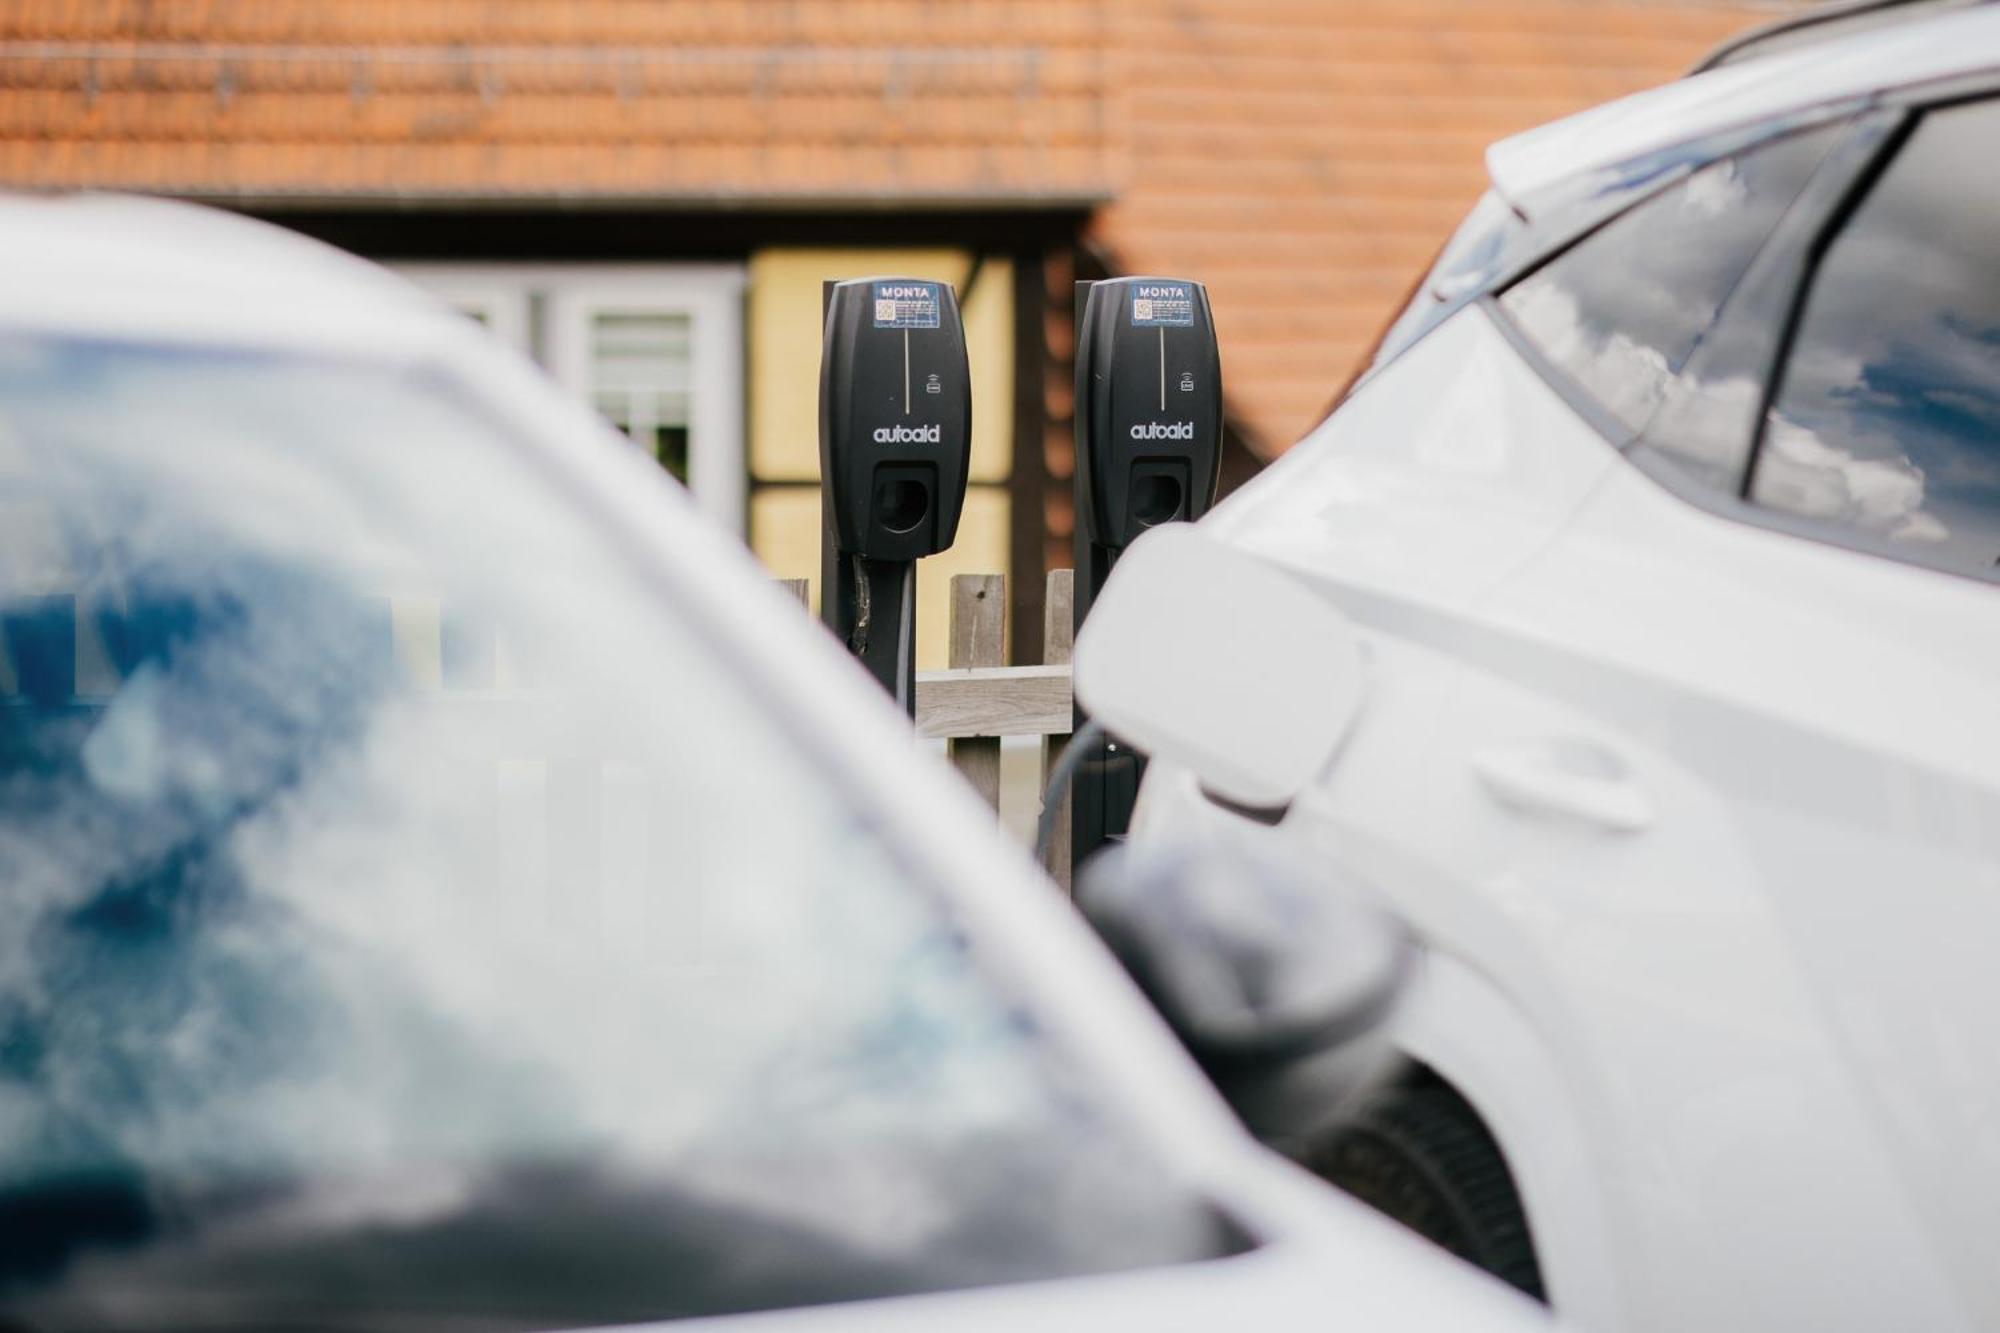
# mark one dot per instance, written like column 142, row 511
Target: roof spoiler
column 1833, row 19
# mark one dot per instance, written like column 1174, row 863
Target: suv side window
column 1885, row 422
column 1622, row 309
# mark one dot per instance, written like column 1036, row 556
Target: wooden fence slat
column 977, row 701
column 1058, row 637
column 978, row 639
column 993, row 701
column 978, row 620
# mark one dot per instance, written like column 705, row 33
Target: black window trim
column 1785, row 259
column 1828, row 230
column 1816, row 233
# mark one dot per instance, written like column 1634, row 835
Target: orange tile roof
column 693, row 103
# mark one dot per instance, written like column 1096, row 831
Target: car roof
column 117, row 265
column 1846, row 69
column 1823, row 22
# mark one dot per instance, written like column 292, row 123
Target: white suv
column 1666, row 523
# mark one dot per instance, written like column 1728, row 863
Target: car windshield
column 407, row 917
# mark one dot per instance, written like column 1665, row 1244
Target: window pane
column 1622, row 309
column 639, row 378
column 1887, row 421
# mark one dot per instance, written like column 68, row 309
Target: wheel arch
column 1461, row 1029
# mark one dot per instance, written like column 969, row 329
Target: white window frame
column 504, row 303
column 710, row 295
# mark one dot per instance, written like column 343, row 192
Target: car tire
column 1418, row 1152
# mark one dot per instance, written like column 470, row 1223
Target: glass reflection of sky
column 1623, row 309
column 1888, row 418
column 1501, row 235
column 296, row 906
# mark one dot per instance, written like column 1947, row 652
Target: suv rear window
column 1621, row 310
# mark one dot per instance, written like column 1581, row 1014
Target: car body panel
column 1700, row 816
column 1758, row 1006
column 1432, row 484
column 1833, row 714
column 1311, row 1281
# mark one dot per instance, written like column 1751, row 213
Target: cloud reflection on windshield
column 263, row 930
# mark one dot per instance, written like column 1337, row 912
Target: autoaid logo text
column 907, row 435
column 1164, row 430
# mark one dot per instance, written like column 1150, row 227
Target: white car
column 1665, row 530
column 444, row 885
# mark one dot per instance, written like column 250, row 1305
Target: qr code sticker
column 885, row 311
column 1141, row 308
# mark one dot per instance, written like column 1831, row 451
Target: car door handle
column 1569, row 778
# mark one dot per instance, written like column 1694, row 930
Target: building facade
column 646, row 197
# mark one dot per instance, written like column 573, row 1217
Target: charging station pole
column 1148, row 450
column 895, row 446
column 871, row 606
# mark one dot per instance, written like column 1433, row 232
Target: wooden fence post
column 1058, row 637
column 978, row 639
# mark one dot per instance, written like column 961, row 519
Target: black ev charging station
column 1148, row 447
column 895, row 442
